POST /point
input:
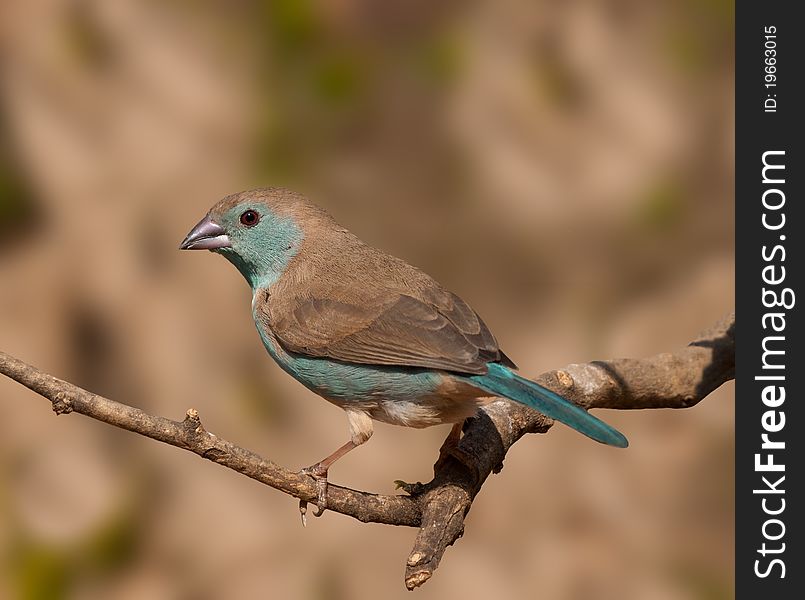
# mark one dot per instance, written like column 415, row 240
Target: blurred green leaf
column 41, row 572
column 441, row 59
column 662, row 208
column 85, row 39
column 114, row 544
column 702, row 583
column 17, row 207
column 41, row 569
column 696, row 38
column 292, row 24
column 337, row 79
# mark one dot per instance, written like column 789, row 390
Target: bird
column 365, row 330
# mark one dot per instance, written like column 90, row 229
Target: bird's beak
column 206, row 235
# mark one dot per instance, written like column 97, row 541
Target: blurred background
column 565, row 166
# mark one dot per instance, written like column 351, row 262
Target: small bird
column 363, row 329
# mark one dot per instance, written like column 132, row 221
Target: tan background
column 566, row 167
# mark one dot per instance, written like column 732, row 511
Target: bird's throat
column 263, row 259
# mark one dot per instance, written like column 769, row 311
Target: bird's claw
column 303, row 512
column 319, row 475
column 412, row 489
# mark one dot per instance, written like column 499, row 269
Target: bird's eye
column 250, row 218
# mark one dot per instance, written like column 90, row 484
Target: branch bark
column 671, row 380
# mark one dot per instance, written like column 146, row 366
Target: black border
column 756, row 132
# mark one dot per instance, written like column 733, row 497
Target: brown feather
column 342, row 299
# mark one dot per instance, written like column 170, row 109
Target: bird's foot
column 319, row 475
column 412, row 489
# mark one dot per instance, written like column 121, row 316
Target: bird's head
column 259, row 231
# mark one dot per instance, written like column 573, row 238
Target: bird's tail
column 501, row 381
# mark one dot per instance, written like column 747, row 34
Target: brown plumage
column 342, row 299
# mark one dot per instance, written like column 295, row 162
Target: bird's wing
column 438, row 331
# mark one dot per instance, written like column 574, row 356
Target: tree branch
column 671, row 380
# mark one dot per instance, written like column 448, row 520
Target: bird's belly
column 411, row 397
column 400, row 396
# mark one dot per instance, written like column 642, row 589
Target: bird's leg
column 360, row 429
column 448, row 446
column 451, row 449
column 319, row 473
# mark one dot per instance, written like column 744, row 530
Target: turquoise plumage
column 502, row 381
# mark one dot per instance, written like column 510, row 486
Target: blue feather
column 502, row 381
